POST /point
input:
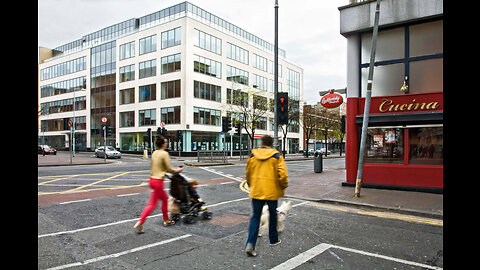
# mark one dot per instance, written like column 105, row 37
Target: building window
column 171, row 38
column 148, row 44
column 204, row 116
column 171, row 115
column 207, row 42
column 127, row 119
column 207, row 91
column 171, row 63
column 127, row 73
column 63, row 87
column 64, row 68
column 171, row 89
column 260, row 62
column 271, row 70
column 147, row 92
column 293, row 84
column 237, row 75
column 411, row 53
column 237, row 97
column 425, row 145
column 385, row 145
column 260, row 82
column 207, row 66
column 127, row 50
column 127, row 96
column 147, row 69
column 237, row 53
column 147, row 117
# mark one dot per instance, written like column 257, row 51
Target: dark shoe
column 250, row 251
column 278, row 243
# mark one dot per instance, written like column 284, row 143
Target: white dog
column 282, row 211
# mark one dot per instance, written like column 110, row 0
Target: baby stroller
column 180, row 190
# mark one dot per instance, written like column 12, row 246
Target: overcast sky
column 308, row 29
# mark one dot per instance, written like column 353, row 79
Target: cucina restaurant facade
column 404, row 148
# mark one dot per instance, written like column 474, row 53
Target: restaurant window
column 385, row 145
column 426, row 145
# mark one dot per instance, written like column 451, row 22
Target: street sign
column 104, row 119
column 162, row 124
column 70, row 123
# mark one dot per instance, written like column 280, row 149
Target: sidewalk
column 62, row 158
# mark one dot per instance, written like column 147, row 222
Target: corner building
column 404, row 148
column 179, row 66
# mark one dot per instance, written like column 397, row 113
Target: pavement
column 324, row 187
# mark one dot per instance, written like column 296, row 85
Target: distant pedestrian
column 159, row 166
column 267, row 178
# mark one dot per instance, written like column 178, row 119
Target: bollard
column 318, row 162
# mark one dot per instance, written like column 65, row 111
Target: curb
column 410, row 212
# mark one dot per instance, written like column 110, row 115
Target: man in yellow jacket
column 267, row 178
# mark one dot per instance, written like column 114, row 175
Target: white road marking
column 319, row 249
column 130, row 194
column 221, row 174
column 86, row 200
column 115, row 255
column 125, row 221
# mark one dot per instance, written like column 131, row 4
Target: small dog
column 282, row 211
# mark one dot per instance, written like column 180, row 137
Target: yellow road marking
column 430, row 221
column 244, row 187
column 54, row 180
column 94, row 183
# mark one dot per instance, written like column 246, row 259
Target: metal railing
column 221, row 156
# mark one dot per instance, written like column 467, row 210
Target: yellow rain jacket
column 267, row 174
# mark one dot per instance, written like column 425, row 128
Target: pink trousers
column 158, row 193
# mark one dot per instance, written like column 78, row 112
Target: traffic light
column 104, row 130
column 226, row 124
column 238, row 129
column 342, row 124
column 149, row 135
column 179, row 135
column 282, row 108
column 110, row 131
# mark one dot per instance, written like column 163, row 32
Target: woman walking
column 159, row 166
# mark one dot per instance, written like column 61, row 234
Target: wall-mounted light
column 404, row 87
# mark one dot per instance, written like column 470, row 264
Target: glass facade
column 411, row 53
column 103, row 91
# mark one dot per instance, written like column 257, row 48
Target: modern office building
column 404, row 147
column 178, row 67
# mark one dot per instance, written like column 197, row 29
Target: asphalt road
column 97, row 233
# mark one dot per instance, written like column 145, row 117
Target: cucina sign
column 389, row 105
column 331, row 100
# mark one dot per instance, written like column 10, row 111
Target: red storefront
column 404, row 148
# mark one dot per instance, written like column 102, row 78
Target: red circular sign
column 104, row 119
column 331, row 100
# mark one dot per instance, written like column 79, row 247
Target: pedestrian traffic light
column 226, row 124
column 282, row 108
column 238, row 129
column 179, row 135
column 103, row 131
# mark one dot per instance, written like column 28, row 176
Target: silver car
column 111, row 152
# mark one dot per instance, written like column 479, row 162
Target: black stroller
column 180, row 190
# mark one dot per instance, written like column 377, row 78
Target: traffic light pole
column 105, row 143
column 275, row 86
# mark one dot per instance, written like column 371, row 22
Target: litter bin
column 318, row 162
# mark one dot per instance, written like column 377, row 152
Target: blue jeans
column 257, row 206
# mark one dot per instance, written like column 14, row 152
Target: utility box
column 318, row 162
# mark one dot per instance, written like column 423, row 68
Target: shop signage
column 331, row 100
column 412, row 103
column 389, row 105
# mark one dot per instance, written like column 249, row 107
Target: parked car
column 322, row 150
column 111, row 152
column 48, row 149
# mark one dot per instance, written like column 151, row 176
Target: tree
column 249, row 108
column 308, row 123
column 328, row 120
